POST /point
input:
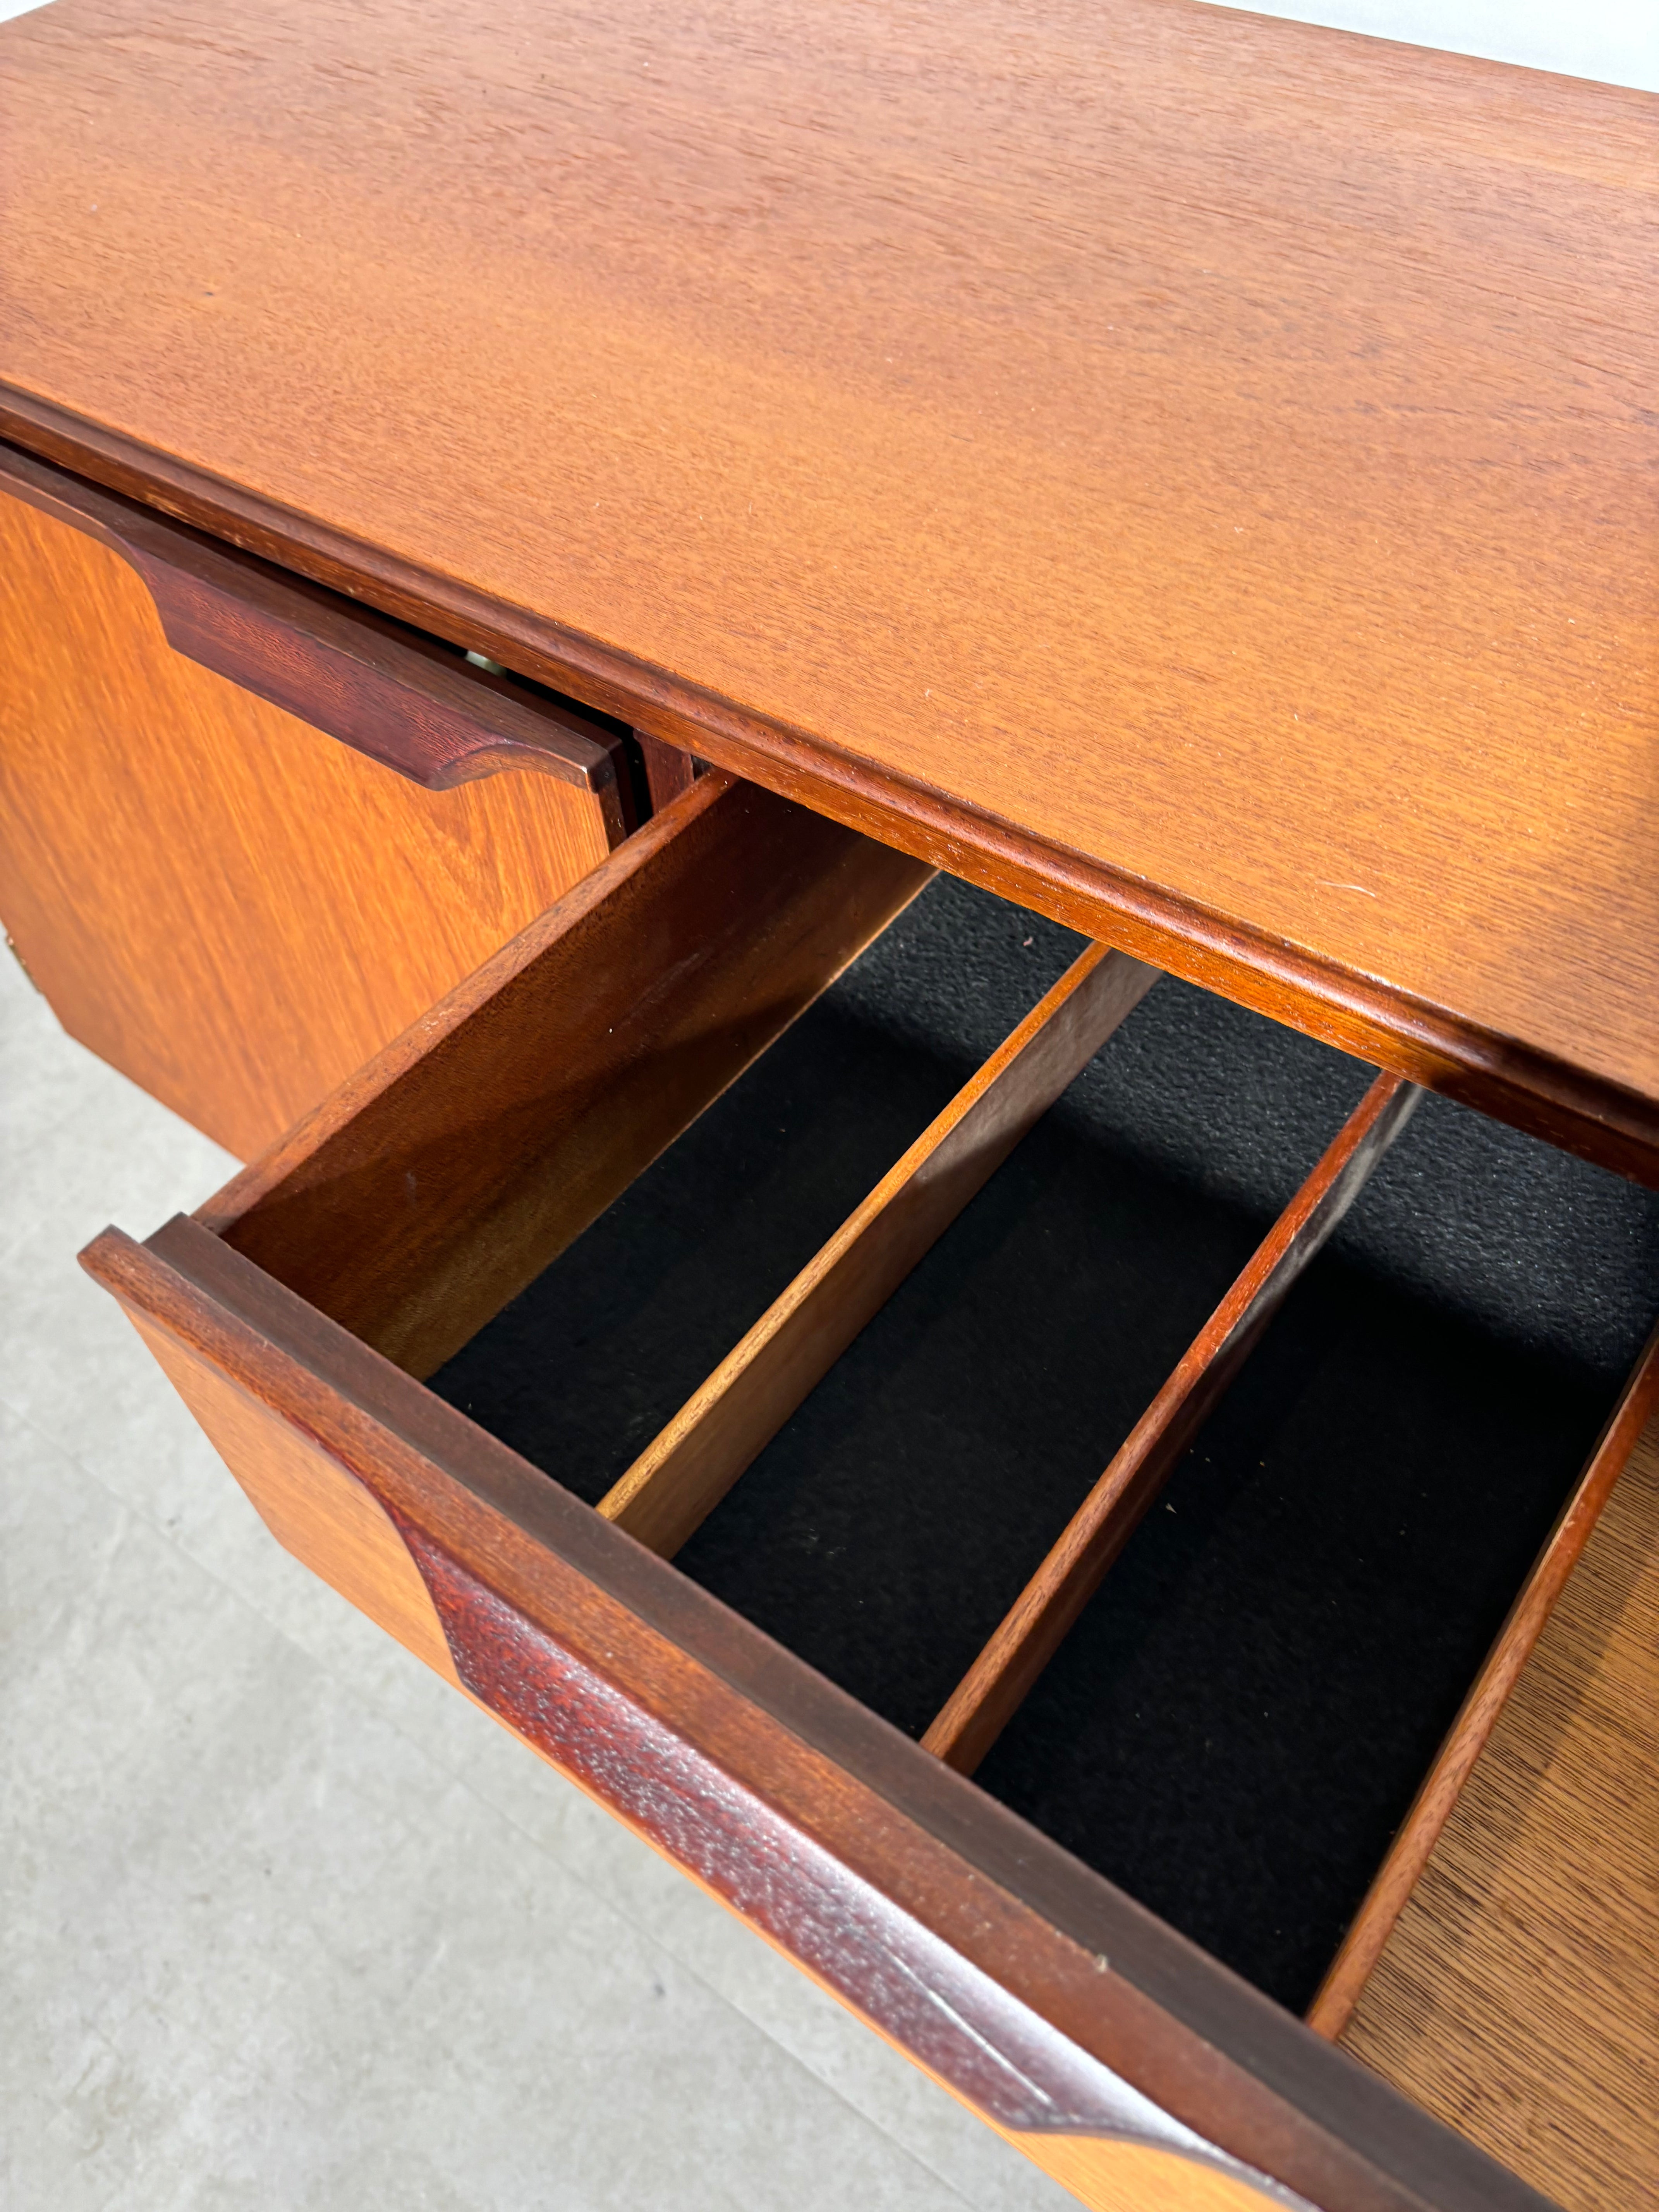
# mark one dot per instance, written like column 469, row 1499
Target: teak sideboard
column 632, row 639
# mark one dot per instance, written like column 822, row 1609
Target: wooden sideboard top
column 1206, row 458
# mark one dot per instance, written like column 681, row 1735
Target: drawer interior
column 888, row 1526
column 1235, row 1725
column 589, row 1362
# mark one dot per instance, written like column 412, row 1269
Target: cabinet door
column 227, row 902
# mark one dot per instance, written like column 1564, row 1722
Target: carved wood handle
column 417, row 706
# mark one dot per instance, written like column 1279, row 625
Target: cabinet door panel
column 232, row 908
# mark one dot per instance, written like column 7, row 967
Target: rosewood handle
column 385, row 690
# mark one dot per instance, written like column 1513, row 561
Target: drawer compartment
column 751, row 1212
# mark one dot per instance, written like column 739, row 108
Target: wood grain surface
column 1027, row 1638
column 1200, row 462
column 1043, row 1996
column 685, row 1472
column 233, row 909
column 668, row 771
column 313, row 1507
column 1518, row 1997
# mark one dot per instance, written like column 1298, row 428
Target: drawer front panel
column 1113, row 2052
column 331, row 1522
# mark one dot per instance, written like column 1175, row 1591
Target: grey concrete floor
column 286, row 1923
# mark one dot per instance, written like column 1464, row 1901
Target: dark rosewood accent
column 668, row 771
column 1362, row 1946
column 382, row 688
column 1062, row 1969
column 946, row 2013
column 998, row 1680
column 1531, row 1088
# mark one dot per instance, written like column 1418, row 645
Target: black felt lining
column 1236, row 1726
column 581, row 1371
column 887, row 1528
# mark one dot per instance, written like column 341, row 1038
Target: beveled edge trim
column 1103, row 1979
column 1599, row 1118
column 1398, row 1875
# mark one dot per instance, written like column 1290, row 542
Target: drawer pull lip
column 1033, row 1631
column 683, row 1473
column 997, row 2054
column 1408, row 1856
column 389, row 691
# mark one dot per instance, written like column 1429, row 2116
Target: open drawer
column 700, row 1338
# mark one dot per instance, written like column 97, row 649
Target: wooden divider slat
column 688, row 1468
column 1398, row 1875
column 992, row 1690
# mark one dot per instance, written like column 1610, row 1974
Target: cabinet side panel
column 233, row 909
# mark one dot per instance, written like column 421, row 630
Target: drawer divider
column 997, row 1683
column 683, row 1473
